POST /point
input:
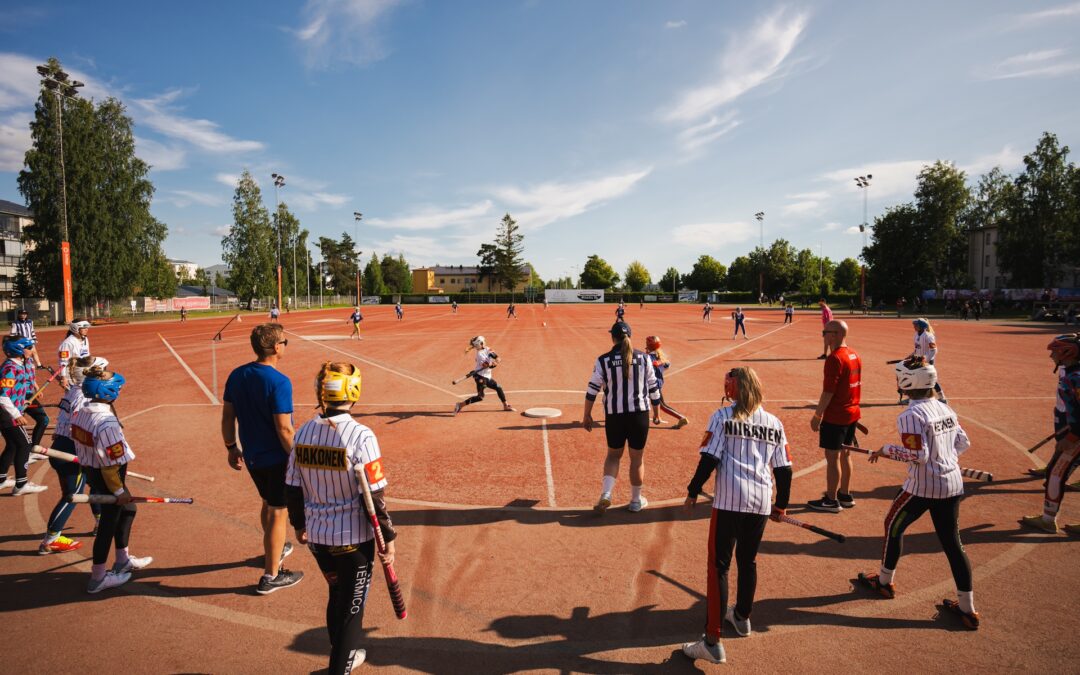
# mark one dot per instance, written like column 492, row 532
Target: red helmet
column 1065, row 349
column 652, row 343
column 731, row 385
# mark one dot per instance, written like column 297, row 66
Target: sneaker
column 703, row 650
column 636, row 506
column 741, row 626
column 970, row 619
column 61, row 544
column 8, row 483
column 284, row 579
column 683, row 421
column 1037, row 473
column 132, row 564
column 846, row 500
column 873, row 582
column 356, row 658
column 1039, row 523
column 658, row 421
column 1072, row 528
column 507, row 407
column 457, row 407
column 821, row 357
column 110, row 580
column 604, row 503
column 825, row 505
column 34, row 457
column 28, row 488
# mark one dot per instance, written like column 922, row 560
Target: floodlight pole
column 357, row 216
column 279, row 181
column 864, row 184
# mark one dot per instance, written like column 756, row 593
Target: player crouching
column 104, row 454
column 931, row 439
column 325, row 501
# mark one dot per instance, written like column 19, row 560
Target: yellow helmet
column 334, row 387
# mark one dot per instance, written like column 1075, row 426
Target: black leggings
column 906, row 509
column 481, row 384
column 17, row 448
column 115, row 524
column 741, row 533
column 347, row 570
column 41, row 422
column 739, row 323
column 72, row 482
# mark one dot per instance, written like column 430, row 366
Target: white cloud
column 540, row 205
column 890, row 179
column 1059, row 12
column 681, row 23
column 20, row 83
column 159, row 156
column 157, row 114
column 819, row 195
column 749, row 61
column 698, row 136
column 831, row 227
column 1007, row 159
column 228, row 179
column 432, row 218
column 800, row 207
column 184, row 198
column 1042, row 63
column 311, row 201
column 712, row 235
column 854, row 229
column 336, row 31
column 15, row 140
column 427, row 250
column 222, row 230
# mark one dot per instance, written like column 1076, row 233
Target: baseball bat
column 111, row 499
column 893, row 362
column 1041, row 443
column 862, row 428
column 835, row 536
column 388, row 570
column 464, row 377
column 68, row 457
column 984, row 476
column 42, row 387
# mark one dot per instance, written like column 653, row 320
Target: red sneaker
column 62, row 544
column 873, row 582
column 971, row 620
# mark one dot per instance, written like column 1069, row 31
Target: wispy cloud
column 158, row 114
column 222, row 230
column 830, row 227
column 1059, row 12
column 182, row 198
column 692, row 139
column 227, row 179
column 681, row 23
column 433, row 218
column 712, row 235
column 894, row 178
column 15, row 140
column 1042, row 63
column 311, row 201
column 749, row 61
column 854, row 229
column 801, row 207
column 159, row 156
column 1008, row 159
column 336, row 31
column 539, row 205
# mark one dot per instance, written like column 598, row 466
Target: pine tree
column 373, row 278
column 249, row 249
column 508, row 250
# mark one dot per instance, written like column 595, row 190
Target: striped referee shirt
column 99, row 440
column 24, row 329
column 932, row 440
column 69, row 405
column 621, row 394
column 323, row 463
column 747, row 451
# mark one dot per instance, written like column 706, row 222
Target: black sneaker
column 846, row 501
column 824, row 504
column 284, row 579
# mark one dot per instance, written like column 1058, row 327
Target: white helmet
column 77, row 374
column 477, row 342
column 915, row 373
column 76, row 326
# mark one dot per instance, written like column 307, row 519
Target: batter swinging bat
column 391, row 577
column 464, row 377
column 835, row 536
column 68, row 457
column 984, row 476
column 111, row 499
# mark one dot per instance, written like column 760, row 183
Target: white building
column 14, row 218
column 184, row 269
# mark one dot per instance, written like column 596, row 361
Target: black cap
column 620, row 328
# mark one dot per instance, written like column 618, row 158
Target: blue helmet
column 17, row 346
column 921, row 324
column 103, row 389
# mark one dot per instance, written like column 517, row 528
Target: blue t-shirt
column 258, row 392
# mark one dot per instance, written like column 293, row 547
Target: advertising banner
column 371, row 300
column 194, row 302
column 687, row 296
column 574, row 295
column 439, row 299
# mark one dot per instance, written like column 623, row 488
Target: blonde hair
column 627, row 351
column 331, row 367
column 750, row 395
column 660, row 355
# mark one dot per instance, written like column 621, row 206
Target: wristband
column 118, row 492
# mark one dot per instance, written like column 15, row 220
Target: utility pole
column 760, row 215
column 864, row 184
column 356, row 243
column 279, row 182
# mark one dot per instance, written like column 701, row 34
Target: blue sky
column 633, row 130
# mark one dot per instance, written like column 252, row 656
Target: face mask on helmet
column 731, row 385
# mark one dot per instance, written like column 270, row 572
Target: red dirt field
column 504, row 566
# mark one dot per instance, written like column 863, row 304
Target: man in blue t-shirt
column 258, row 400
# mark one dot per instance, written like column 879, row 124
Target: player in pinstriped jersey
column 626, row 377
column 931, row 439
column 75, row 344
column 326, row 507
column 747, row 447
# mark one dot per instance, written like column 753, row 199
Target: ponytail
column 749, row 395
column 327, row 368
column 627, row 351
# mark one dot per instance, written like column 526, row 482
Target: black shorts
column 832, row 436
column 627, row 428
column 270, row 482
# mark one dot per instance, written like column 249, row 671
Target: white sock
column 51, row 537
column 885, row 576
column 635, row 493
column 967, row 601
column 608, row 484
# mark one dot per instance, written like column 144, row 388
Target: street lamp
column 864, row 184
column 357, row 216
column 760, row 215
column 279, row 182
column 57, row 82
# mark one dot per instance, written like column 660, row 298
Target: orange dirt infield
column 504, row 566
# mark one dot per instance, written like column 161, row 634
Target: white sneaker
column 705, row 651
column 9, row 483
column 357, row 658
column 132, row 564
column 741, row 626
column 34, row 457
column 110, row 580
column 636, row 506
column 604, row 503
column 28, row 488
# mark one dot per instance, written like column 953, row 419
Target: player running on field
column 76, row 344
column 926, row 346
column 620, row 312
column 740, row 322
column 748, row 449
column 627, row 378
column 274, row 314
column 355, row 318
column 660, row 364
column 326, row 507
column 931, row 439
column 1065, row 353
column 24, row 327
column 511, row 311
column 486, row 359
column 706, row 313
column 16, row 384
column 71, row 476
column 453, row 306
column 104, row 454
column 789, row 313
column 399, row 311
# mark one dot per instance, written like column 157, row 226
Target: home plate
column 542, row 412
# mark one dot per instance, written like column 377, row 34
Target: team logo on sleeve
column 82, row 436
column 374, row 471
column 911, row 441
column 115, row 451
column 7, row 383
column 65, row 355
column 320, row 457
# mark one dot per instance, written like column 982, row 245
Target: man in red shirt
column 835, row 417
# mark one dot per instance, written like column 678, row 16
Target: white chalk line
column 547, row 466
column 209, row 394
column 728, row 349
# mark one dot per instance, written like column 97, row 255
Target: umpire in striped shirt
column 627, row 378
column 23, row 326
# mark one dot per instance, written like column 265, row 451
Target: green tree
column 742, row 276
column 637, row 277
column 534, row 279
column 846, row 275
column 489, row 260
column 597, row 273
column 341, row 260
column 670, row 280
column 890, row 274
column 941, row 197
column 396, row 274
column 707, row 275
column 509, row 246
column 287, row 235
column 373, row 279
column 248, row 249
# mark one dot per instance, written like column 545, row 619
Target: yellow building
column 461, row 279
